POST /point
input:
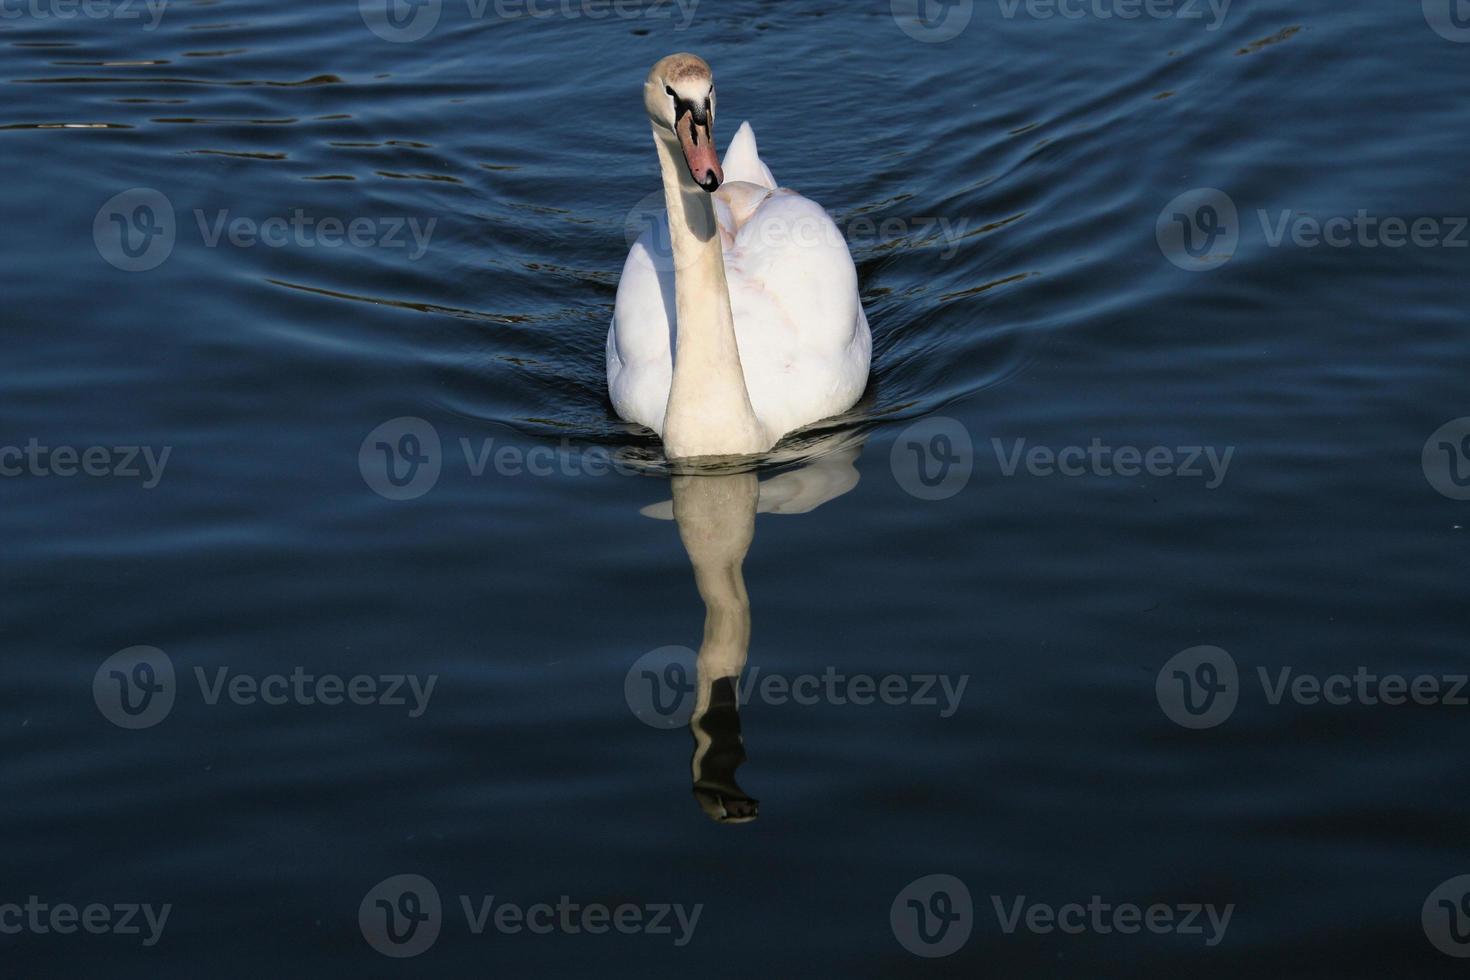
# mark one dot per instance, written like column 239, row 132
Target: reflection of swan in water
column 716, row 518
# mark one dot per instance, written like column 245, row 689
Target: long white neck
column 709, row 411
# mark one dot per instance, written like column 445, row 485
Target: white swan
column 738, row 318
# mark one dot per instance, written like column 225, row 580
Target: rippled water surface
column 451, row 214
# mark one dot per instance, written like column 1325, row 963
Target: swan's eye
column 670, row 89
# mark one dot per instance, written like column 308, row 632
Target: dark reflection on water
column 1000, row 192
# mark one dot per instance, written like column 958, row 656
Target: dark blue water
column 1011, row 190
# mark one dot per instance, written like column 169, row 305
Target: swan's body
column 738, row 318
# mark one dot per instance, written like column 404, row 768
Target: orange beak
column 698, row 140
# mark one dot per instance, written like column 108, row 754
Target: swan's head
column 680, row 97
